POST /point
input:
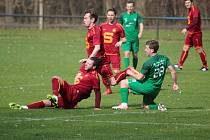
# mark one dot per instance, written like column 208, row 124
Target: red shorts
column 194, row 39
column 115, row 61
column 68, row 96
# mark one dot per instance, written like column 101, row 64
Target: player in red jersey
column 67, row 96
column 194, row 36
column 94, row 47
column 112, row 32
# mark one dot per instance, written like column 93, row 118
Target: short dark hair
column 112, row 9
column 131, row 1
column 97, row 61
column 153, row 44
column 92, row 13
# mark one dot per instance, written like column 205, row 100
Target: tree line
column 148, row 8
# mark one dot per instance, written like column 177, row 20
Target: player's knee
column 199, row 49
column 124, row 83
column 146, row 107
column 56, row 78
column 186, row 48
column 135, row 56
column 127, row 54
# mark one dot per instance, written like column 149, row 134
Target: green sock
column 153, row 107
column 124, row 95
column 126, row 62
column 135, row 62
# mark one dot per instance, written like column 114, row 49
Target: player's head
column 188, row 3
column 92, row 63
column 90, row 17
column 130, row 6
column 111, row 15
column 152, row 47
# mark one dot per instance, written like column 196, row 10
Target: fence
column 43, row 22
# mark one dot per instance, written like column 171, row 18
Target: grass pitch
column 29, row 58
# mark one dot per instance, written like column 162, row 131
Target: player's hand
column 184, row 31
column 81, row 61
column 139, row 35
column 97, row 109
column 176, row 88
column 118, row 44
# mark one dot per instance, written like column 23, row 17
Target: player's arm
column 194, row 23
column 95, row 51
column 97, row 99
column 141, row 28
column 122, row 36
column 119, row 44
column 174, row 77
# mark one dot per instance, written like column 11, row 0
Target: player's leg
column 135, row 48
column 183, row 56
column 115, row 61
column 148, row 102
column 130, row 71
column 34, row 105
column 124, row 95
column 185, row 51
column 106, row 73
column 126, row 48
column 197, row 41
column 125, row 85
column 68, row 97
column 56, row 85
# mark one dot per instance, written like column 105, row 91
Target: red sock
column 55, row 86
column 35, row 105
column 203, row 58
column 106, row 82
column 120, row 76
column 183, row 57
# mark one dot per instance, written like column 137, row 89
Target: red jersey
column 85, row 82
column 111, row 34
column 194, row 20
column 93, row 37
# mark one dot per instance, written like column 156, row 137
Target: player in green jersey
column 148, row 81
column 133, row 25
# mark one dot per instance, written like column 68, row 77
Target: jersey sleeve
column 140, row 19
column 145, row 68
column 122, row 32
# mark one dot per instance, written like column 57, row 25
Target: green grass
column 29, row 58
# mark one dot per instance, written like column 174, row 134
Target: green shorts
column 131, row 46
column 145, row 89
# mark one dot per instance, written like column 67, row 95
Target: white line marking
column 69, row 119
column 113, row 122
column 21, row 86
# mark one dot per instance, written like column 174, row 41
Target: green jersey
column 130, row 24
column 154, row 70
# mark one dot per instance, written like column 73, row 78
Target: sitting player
column 67, row 96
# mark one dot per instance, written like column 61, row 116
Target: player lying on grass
column 148, row 81
column 67, row 96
